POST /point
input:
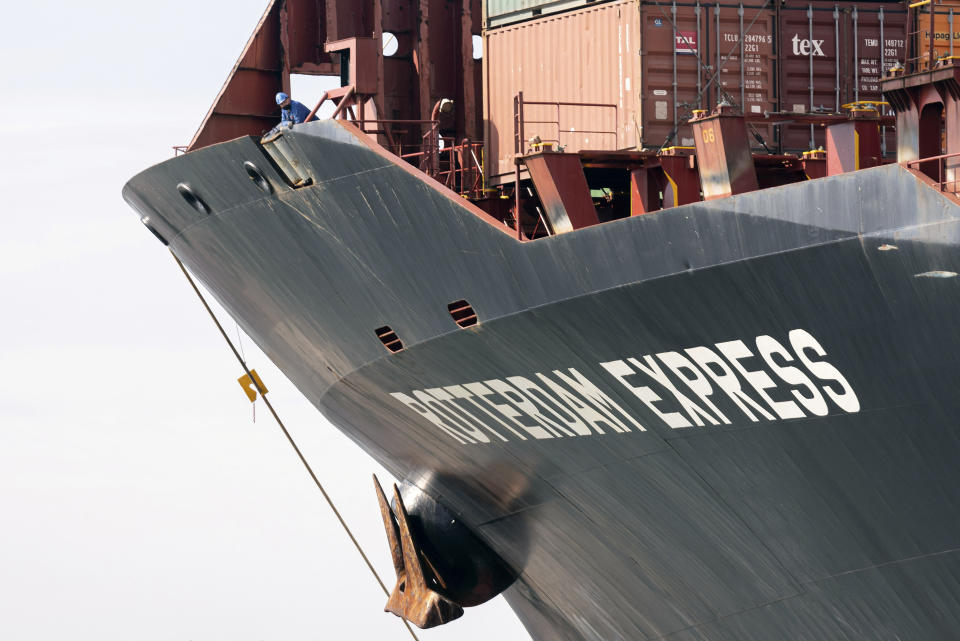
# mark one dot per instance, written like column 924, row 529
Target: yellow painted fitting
column 856, row 150
column 249, row 388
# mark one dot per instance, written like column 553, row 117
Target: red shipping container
column 831, row 55
column 684, row 46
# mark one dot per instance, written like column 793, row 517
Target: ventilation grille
column 389, row 338
column 462, row 312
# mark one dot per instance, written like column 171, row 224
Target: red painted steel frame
column 312, row 37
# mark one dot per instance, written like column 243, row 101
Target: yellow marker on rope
column 248, row 385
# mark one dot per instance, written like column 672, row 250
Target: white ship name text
column 771, row 380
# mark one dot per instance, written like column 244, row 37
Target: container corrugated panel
column 649, row 64
column 684, row 46
column 497, row 13
column 832, row 54
column 946, row 31
column 586, row 56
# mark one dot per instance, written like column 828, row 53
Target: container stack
column 627, row 74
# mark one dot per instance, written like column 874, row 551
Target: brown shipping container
column 831, row 55
column 683, row 45
column 623, row 75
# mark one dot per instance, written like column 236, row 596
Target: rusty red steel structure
column 854, row 144
column 562, row 188
column 343, row 38
column 723, row 153
column 681, row 184
column 927, row 105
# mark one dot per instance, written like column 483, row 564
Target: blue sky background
column 139, row 500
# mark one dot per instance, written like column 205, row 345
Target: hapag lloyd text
column 717, row 385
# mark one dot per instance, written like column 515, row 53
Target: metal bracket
column 412, row 598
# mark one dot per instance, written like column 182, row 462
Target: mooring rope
column 287, row 434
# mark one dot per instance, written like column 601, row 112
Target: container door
column 693, row 56
column 744, row 53
column 673, row 78
column 812, row 70
column 831, row 55
column 879, row 43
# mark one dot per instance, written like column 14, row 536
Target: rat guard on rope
column 412, row 598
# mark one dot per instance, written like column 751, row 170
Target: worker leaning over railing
column 292, row 112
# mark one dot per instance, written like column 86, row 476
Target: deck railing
column 458, row 165
column 943, row 170
column 521, row 123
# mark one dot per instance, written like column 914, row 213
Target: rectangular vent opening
column 389, row 338
column 462, row 312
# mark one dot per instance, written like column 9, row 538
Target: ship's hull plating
column 835, row 518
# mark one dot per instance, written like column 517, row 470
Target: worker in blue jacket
column 291, row 111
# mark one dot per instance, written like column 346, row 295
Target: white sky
column 138, row 500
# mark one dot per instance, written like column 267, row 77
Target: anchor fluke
column 412, row 598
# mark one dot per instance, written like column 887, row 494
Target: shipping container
column 578, row 73
column 497, row 13
column 624, row 75
column 683, row 46
column 833, row 54
column 946, row 30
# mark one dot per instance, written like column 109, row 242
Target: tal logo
column 804, row 47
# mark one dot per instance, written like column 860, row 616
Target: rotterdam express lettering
column 769, row 380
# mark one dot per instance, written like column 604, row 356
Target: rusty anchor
column 412, row 598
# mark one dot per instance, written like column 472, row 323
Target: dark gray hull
column 839, row 523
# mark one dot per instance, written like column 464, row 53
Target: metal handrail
column 520, row 122
column 454, row 165
column 941, row 156
column 945, row 175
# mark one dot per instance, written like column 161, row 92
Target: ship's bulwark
column 837, row 526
